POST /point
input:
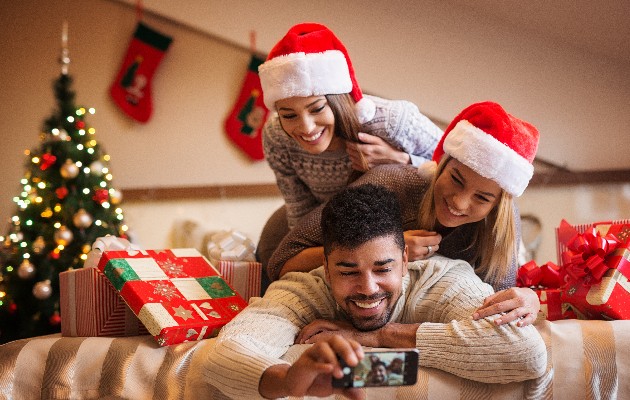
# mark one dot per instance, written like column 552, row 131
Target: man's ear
column 405, row 260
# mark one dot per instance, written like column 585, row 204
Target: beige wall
column 440, row 57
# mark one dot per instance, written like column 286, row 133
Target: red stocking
column 132, row 88
column 244, row 124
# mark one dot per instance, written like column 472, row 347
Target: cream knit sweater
column 440, row 293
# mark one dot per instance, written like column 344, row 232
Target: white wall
column 439, row 54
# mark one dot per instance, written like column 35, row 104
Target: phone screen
column 382, row 368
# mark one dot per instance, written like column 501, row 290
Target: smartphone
column 391, row 367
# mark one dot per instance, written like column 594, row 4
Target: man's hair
column 359, row 214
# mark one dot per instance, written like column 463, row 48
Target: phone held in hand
column 391, row 367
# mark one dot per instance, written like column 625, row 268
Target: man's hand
column 516, row 302
column 375, row 151
column 421, row 244
column 312, row 373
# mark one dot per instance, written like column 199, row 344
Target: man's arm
column 255, row 341
column 437, row 321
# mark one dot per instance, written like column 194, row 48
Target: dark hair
column 359, row 214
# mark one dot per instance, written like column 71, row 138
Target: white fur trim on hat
column 303, row 75
column 488, row 157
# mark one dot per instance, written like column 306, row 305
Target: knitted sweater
column 440, row 293
column 408, row 184
column 308, row 180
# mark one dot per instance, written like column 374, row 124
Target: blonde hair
column 494, row 239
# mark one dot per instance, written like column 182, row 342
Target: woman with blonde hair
column 462, row 207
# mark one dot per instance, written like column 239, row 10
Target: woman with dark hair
column 325, row 132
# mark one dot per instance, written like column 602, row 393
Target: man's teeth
column 312, row 138
column 454, row 212
column 367, row 305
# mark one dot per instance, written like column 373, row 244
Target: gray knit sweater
column 440, row 293
column 409, row 186
column 308, row 180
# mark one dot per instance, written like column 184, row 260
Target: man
column 367, row 294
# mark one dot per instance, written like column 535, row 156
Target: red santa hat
column 311, row 61
column 492, row 143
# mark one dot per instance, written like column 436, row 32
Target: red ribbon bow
column 584, row 259
column 548, row 275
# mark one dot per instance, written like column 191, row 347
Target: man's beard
column 374, row 323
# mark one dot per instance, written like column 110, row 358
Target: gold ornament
column 42, row 290
column 69, row 170
column 63, row 236
column 82, row 219
column 39, row 244
column 26, row 270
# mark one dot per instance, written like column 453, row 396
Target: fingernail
column 498, row 321
column 476, row 315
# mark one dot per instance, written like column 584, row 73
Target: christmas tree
column 66, row 202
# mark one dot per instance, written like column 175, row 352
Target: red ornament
column 55, row 319
column 12, row 308
column 46, row 161
column 101, row 196
column 80, row 125
column 61, row 192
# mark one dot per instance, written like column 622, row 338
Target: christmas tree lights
column 66, row 201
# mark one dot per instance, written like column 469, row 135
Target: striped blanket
column 587, row 360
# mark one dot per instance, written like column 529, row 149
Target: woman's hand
column 375, row 151
column 515, row 302
column 421, row 244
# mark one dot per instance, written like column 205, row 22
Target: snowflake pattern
column 164, row 290
column 171, row 268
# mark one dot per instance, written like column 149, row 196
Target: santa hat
column 311, row 61
column 492, row 143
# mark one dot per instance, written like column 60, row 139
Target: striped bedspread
column 587, row 360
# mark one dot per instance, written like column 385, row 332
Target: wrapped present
column 547, row 281
column 567, row 233
column 597, row 294
column 177, row 294
column 233, row 252
column 243, row 276
column 553, row 308
column 90, row 306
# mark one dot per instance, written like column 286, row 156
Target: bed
column 587, row 360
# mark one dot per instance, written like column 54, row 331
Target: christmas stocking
column 132, row 88
column 244, row 124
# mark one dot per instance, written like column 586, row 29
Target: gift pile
column 591, row 281
column 176, row 295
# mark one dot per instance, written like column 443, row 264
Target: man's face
column 379, row 374
column 366, row 281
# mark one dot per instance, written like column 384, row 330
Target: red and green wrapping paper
column 177, row 294
column 90, row 306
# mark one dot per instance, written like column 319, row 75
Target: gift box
column 595, row 259
column 565, row 232
column 546, row 281
column 177, row 294
column 233, row 252
column 90, row 306
column 604, row 298
column 243, row 276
